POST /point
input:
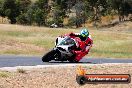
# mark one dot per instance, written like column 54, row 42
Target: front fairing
column 66, row 49
column 66, row 45
column 67, row 41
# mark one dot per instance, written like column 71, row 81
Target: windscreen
column 67, row 41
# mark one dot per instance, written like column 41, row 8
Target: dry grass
column 4, row 74
column 29, row 40
column 4, row 20
column 16, row 39
column 112, row 44
column 20, row 70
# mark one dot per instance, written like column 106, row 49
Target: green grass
column 15, row 39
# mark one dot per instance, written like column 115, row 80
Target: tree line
column 46, row 12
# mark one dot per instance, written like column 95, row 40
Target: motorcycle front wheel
column 48, row 56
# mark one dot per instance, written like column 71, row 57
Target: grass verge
column 4, row 74
column 27, row 40
column 20, row 70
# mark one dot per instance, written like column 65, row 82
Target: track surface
column 12, row 61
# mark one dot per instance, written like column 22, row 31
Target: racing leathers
column 82, row 50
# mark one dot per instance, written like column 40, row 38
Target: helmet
column 84, row 32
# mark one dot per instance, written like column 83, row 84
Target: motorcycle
column 62, row 50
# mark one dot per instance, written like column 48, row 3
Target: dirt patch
column 17, row 47
column 124, row 26
column 63, row 77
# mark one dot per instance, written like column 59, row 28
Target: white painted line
column 56, row 66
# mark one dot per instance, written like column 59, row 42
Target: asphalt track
column 12, row 61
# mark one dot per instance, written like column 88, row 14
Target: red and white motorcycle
column 63, row 50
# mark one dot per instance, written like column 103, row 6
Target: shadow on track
column 66, row 62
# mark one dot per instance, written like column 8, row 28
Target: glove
column 73, row 52
column 72, row 34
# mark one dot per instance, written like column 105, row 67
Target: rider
column 86, row 38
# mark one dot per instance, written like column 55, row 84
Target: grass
column 111, row 44
column 21, row 70
column 4, row 20
column 27, row 40
column 4, row 74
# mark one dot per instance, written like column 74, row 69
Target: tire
column 48, row 56
column 81, row 80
